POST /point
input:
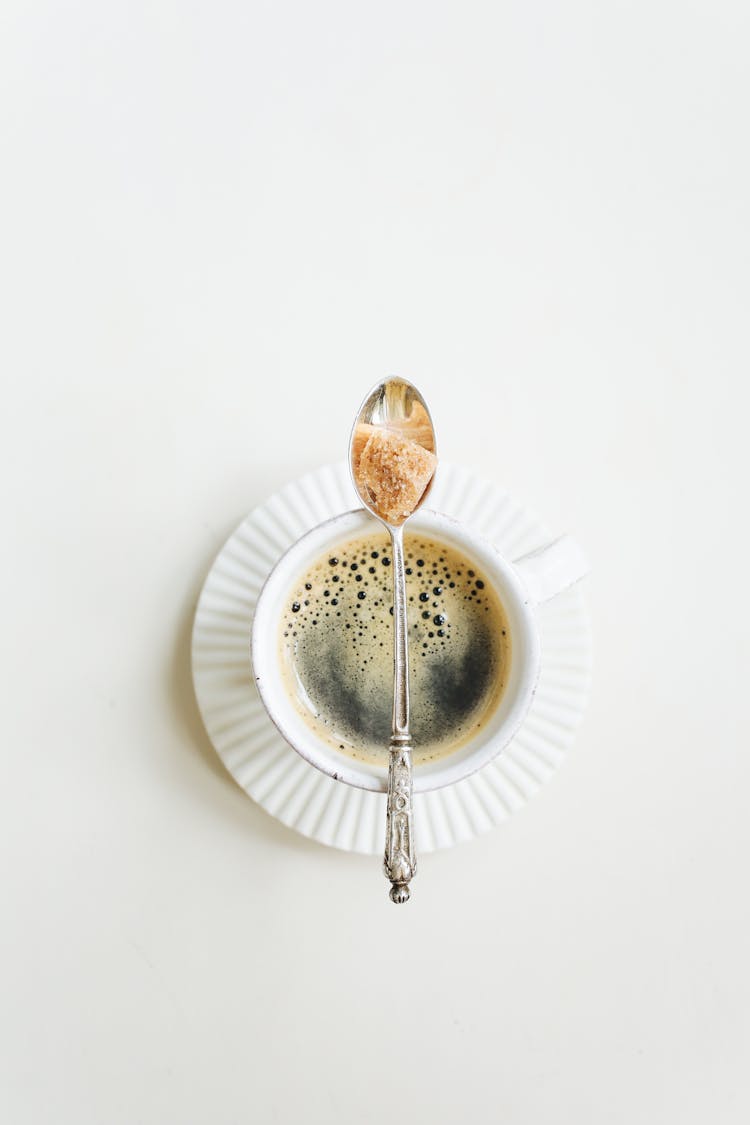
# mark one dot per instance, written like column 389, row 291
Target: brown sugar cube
column 416, row 428
column 396, row 472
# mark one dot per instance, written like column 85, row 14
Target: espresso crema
column 336, row 647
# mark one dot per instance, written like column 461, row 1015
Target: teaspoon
column 392, row 460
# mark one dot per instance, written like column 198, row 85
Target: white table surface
column 219, row 224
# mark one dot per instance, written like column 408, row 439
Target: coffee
column 336, row 647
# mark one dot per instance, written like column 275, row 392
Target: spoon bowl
column 396, row 407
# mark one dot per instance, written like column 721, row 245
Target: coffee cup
column 520, row 585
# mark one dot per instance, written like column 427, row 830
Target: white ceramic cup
column 520, row 585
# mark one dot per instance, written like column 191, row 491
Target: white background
column 220, row 223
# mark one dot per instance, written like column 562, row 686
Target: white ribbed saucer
column 293, row 791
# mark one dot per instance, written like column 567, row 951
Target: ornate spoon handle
column 400, row 862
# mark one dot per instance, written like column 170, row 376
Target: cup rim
column 455, row 766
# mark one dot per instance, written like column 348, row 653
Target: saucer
column 287, row 786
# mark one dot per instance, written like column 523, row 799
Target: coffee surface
column 336, row 645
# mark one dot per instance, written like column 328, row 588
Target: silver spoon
column 392, row 448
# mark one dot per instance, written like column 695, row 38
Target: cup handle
column 549, row 570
